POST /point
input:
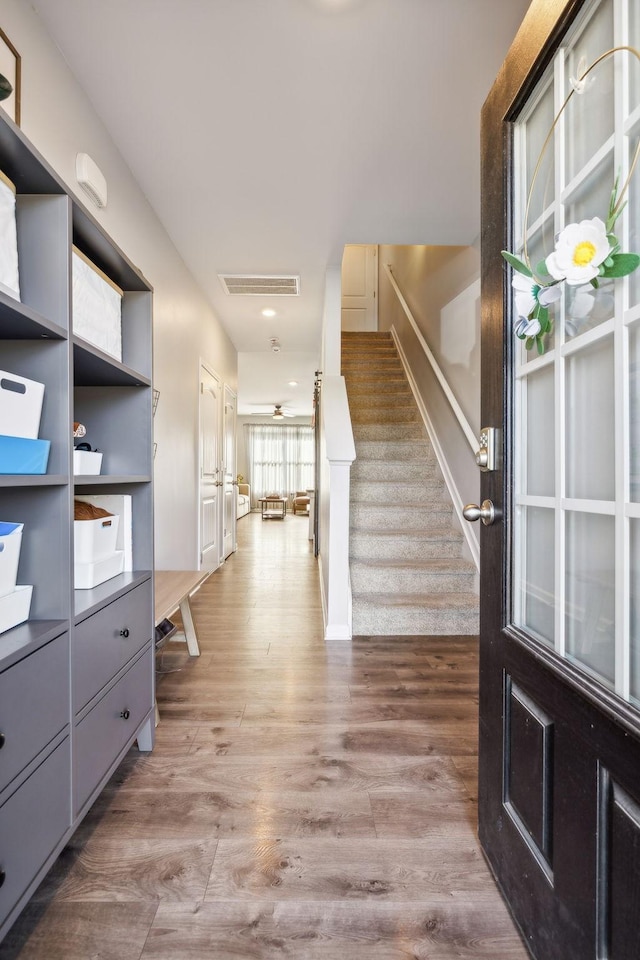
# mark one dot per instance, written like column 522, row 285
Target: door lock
column 486, row 454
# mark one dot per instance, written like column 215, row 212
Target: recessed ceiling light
column 268, row 312
column 293, row 383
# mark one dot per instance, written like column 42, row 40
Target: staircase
column 408, row 575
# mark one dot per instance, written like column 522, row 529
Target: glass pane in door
column 537, row 127
column 634, row 414
column 540, row 433
column 590, row 590
column 538, row 575
column 634, row 625
column 589, row 117
column 590, row 456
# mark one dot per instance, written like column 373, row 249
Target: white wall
column 59, row 120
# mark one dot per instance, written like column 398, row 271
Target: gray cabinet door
column 106, row 641
column 102, row 734
column 34, row 706
column 32, row 822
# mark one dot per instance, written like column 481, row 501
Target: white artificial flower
column 527, row 328
column 529, row 293
column 580, row 249
column 549, row 295
column 525, row 297
column 580, row 83
column 582, row 303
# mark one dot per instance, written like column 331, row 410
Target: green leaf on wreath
column 540, row 346
column 594, row 283
column 541, row 270
column 623, row 265
column 529, row 343
column 516, row 264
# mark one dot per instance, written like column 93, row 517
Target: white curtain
column 280, row 459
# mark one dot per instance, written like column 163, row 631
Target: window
column 280, row 457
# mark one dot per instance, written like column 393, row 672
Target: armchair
column 301, row 502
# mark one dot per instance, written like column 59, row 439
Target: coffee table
column 273, row 508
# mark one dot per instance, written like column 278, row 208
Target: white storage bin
column 97, row 306
column 95, row 539
column 86, row 463
column 14, row 607
column 87, row 575
column 9, row 277
column 20, row 406
column 10, row 541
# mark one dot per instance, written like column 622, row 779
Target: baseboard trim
column 454, row 493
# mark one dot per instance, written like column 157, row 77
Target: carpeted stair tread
column 433, row 565
column 434, row 532
column 458, row 600
column 395, row 449
column 388, row 431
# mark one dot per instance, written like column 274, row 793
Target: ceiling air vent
column 247, row 285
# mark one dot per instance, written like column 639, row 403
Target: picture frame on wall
column 10, row 67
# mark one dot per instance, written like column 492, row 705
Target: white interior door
column 360, row 287
column 210, row 470
column 230, row 488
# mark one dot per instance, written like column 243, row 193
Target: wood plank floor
column 304, row 800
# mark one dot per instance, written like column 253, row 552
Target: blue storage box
column 19, row 455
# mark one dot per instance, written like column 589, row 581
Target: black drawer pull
column 2, row 740
column 3, row 877
column 125, row 714
column 125, row 632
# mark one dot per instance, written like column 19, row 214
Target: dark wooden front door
column 559, row 813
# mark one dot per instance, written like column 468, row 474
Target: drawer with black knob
column 34, row 705
column 33, row 820
column 106, row 641
column 110, row 724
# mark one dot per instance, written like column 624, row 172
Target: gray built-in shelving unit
column 76, row 680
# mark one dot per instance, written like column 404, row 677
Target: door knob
column 486, row 513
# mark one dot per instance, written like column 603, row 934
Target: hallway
column 304, row 800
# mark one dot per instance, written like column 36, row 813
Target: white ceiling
column 268, row 133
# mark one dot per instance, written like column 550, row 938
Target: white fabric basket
column 9, row 277
column 97, row 306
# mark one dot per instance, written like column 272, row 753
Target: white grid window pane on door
column 576, row 561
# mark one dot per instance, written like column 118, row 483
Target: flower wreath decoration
column 584, row 252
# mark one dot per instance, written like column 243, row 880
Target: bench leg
column 189, row 628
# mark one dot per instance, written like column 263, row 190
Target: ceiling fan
column 279, row 412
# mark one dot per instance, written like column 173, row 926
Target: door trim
column 203, row 365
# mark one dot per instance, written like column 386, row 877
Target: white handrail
column 448, row 392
